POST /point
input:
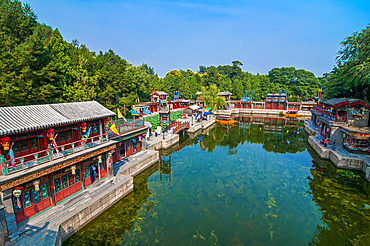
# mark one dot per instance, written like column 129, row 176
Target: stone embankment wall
column 169, row 140
column 352, row 162
column 84, row 214
column 132, row 169
column 309, row 130
column 320, row 150
column 202, row 125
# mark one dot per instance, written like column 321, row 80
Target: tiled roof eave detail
column 15, row 120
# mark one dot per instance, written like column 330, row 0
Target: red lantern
column 83, row 127
column 4, row 141
column 50, row 134
column 106, row 122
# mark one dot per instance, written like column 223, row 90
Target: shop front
column 94, row 170
column 356, row 142
column 36, row 196
column 130, row 144
column 31, row 198
column 67, row 182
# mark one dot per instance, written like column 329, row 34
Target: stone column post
column 109, row 162
column 143, row 148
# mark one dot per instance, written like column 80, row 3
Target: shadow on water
column 344, row 202
column 256, row 183
column 108, row 228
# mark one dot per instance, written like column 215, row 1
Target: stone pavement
column 122, row 165
column 61, row 221
column 157, row 143
column 38, row 229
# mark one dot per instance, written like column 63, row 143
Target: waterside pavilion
column 50, row 153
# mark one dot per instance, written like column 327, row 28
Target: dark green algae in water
column 242, row 185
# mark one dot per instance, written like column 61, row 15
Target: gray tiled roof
column 276, row 94
column 35, row 117
column 335, row 101
column 161, row 93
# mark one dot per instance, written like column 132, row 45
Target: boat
column 225, row 120
column 292, row 114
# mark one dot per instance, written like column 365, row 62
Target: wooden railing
column 179, row 126
column 9, row 166
column 126, row 126
column 320, row 110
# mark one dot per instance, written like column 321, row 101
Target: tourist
column 326, row 142
column 335, row 141
column 322, row 141
column 93, row 174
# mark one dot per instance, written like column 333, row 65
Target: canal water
column 254, row 183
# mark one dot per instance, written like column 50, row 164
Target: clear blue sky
column 185, row 34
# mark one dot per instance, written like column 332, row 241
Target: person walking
column 326, row 142
column 335, row 141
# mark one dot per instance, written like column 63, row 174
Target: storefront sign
column 36, row 184
column 73, row 168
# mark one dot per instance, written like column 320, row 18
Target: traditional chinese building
column 346, row 121
column 276, row 101
column 226, row 95
column 157, row 97
column 50, row 153
column 131, row 139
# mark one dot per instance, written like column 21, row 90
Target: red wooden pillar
column 82, row 166
column 52, row 197
column 116, row 152
column 129, row 147
column 45, row 141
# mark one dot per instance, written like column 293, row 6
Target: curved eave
column 54, row 124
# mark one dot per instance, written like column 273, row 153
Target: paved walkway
column 153, row 140
column 39, row 224
column 43, row 229
column 119, row 166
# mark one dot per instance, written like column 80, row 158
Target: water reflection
column 108, row 228
column 278, row 135
column 252, row 184
column 344, row 203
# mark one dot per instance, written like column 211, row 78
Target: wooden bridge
column 179, row 126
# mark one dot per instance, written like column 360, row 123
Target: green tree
column 300, row 82
column 354, row 62
column 210, row 97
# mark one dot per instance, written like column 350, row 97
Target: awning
column 194, row 107
column 146, row 123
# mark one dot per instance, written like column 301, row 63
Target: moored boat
column 225, row 120
column 292, row 114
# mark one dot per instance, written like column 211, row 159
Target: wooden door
column 67, row 184
column 87, row 175
column 32, row 202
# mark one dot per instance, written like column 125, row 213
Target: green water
column 242, row 185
